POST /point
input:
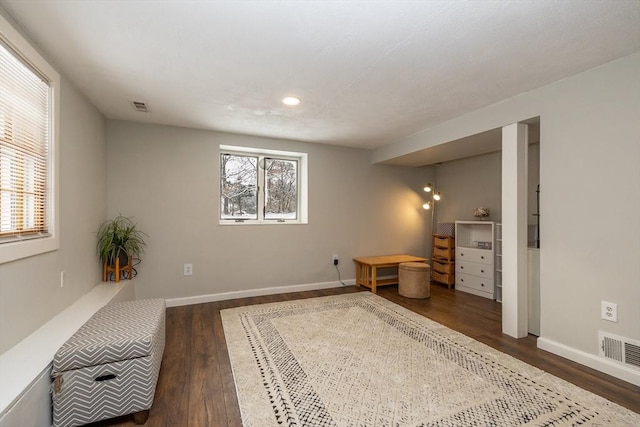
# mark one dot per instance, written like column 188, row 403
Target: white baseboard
column 200, row 299
column 614, row 369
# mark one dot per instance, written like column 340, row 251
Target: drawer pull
column 481, row 271
column 481, row 256
column 462, row 280
column 461, row 254
column 482, row 284
column 462, row 267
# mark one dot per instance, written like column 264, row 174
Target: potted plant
column 119, row 238
column 481, row 213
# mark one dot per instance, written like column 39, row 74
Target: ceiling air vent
column 140, row 106
column 620, row 349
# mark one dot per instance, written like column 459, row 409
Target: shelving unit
column 443, row 259
column 498, row 276
column 475, row 257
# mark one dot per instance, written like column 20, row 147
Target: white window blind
column 25, row 99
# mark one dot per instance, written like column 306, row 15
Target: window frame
column 23, row 247
column 302, row 184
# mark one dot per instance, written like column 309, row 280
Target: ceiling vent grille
column 140, row 106
column 622, row 350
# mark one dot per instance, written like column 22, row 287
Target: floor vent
column 620, row 349
column 140, row 106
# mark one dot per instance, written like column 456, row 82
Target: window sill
column 27, row 248
column 253, row 222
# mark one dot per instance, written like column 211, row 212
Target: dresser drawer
column 443, row 253
column 443, row 241
column 474, row 282
column 474, row 255
column 474, row 268
column 442, row 266
column 445, row 278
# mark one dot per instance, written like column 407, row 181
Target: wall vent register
column 622, row 350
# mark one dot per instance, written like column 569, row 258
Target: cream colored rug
column 360, row 360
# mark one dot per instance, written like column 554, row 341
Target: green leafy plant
column 119, row 237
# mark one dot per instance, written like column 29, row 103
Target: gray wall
column 590, row 205
column 467, row 184
column 590, row 198
column 533, row 172
column 477, row 181
column 30, row 292
column 168, row 179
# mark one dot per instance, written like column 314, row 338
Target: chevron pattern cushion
column 110, row 366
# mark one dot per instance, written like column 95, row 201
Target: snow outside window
column 262, row 186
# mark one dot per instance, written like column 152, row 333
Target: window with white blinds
column 29, row 154
column 24, row 150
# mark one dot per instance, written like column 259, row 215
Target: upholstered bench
column 110, row 366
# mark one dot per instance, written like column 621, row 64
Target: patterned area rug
column 360, row 360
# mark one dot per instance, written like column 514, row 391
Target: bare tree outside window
column 262, row 186
column 281, row 192
column 238, row 187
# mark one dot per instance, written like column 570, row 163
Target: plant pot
column 124, row 258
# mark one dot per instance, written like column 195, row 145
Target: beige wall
column 590, row 198
column 30, row 292
column 168, row 179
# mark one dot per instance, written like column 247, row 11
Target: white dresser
column 475, row 257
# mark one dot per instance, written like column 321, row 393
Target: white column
column 514, row 230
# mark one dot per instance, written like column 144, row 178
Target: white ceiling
column 369, row 72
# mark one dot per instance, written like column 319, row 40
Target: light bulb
column 428, row 188
column 436, row 196
column 426, row 206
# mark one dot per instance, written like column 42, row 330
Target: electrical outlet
column 188, row 269
column 609, row 311
column 335, row 259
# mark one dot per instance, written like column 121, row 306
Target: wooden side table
column 367, row 269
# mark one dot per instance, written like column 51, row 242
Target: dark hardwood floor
column 196, row 387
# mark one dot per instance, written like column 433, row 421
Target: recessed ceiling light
column 291, row 100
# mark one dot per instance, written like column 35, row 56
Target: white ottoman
column 110, row 366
